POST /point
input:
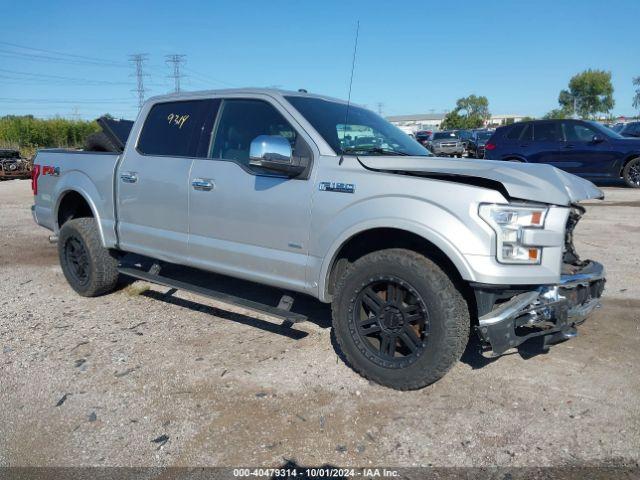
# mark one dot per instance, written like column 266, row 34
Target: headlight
column 509, row 222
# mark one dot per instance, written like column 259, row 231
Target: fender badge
column 337, row 187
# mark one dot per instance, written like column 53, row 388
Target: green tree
column 590, row 93
column 474, row 106
column 454, row 121
column 557, row 113
column 470, row 112
column 636, row 97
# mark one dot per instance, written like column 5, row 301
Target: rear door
column 152, row 182
column 547, row 145
column 245, row 222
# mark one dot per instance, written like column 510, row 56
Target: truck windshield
column 363, row 132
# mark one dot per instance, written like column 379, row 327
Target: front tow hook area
column 550, row 311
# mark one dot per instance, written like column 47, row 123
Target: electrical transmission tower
column 138, row 61
column 380, row 105
column 176, row 61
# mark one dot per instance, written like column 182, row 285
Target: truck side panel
column 88, row 174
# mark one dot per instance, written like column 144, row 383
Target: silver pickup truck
column 314, row 196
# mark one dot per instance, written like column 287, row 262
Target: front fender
column 455, row 234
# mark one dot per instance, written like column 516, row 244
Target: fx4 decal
column 50, row 170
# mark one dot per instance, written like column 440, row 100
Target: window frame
column 148, row 113
column 248, row 169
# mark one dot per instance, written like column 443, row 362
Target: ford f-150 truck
column 315, row 196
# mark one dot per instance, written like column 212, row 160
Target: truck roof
column 273, row 92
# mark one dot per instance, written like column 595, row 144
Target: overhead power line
column 58, row 77
column 70, row 55
column 175, row 61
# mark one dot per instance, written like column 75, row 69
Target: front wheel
column 90, row 269
column 631, row 173
column 399, row 319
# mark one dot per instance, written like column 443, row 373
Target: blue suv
column 581, row 147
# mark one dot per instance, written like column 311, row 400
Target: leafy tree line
column 28, row 133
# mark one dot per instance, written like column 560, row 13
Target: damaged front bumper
column 550, row 311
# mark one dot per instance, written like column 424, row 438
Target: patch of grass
column 136, row 289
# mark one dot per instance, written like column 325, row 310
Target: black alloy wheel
column 392, row 322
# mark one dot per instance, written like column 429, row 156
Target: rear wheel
column 631, row 173
column 90, row 269
column 399, row 319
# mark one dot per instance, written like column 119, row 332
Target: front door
column 583, row 156
column 245, row 222
column 152, row 182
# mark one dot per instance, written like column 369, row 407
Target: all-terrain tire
column 90, row 269
column 448, row 315
column 631, row 173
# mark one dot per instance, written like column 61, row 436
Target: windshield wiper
column 383, row 151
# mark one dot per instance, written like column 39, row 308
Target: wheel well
column 73, row 205
column 513, row 158
column 376, row 239
column 627, row 160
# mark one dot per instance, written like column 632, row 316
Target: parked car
column 446, row 144
column 581, row 147
column 475, row 146
column 413, row 252
column 12, row 165
column 464, row 136
column 631, row 129
column 424, row 137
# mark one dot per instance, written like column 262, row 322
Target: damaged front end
column 510, row 316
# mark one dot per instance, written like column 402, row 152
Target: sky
column 71, row 58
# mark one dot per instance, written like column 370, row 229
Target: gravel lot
column 141, row 378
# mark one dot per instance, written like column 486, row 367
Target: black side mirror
column 597, row 139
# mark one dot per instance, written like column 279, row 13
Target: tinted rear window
column 515, row 131
column 547, row 132
column 178, row 129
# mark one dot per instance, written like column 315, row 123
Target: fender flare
column 430, row 235
column 78, row 182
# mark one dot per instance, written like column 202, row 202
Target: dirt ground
column 145, row 378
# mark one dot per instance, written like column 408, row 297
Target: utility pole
column 176, row 61
column 380, row 105
column 138, row 60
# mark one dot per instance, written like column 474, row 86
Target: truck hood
column 524, row 181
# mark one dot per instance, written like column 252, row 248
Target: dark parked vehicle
column 475, row 145
column 631, row 129
column 423, row 137
column 581, row 147
column 465, row 136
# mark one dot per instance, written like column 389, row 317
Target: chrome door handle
column 202, row 184
column 129, row 177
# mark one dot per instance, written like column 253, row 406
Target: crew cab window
column 547, row 132
column 178, row 129
column 243, row 120
column 576, row 132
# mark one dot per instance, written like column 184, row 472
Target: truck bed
column 91, row 174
